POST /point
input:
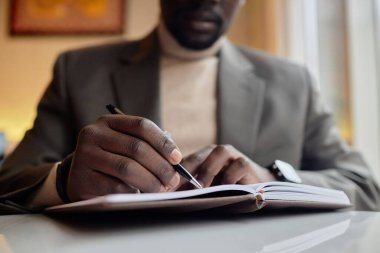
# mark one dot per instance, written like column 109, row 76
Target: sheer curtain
column 363, row 20
column 339, row 41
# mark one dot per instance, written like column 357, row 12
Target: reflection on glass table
column 313, row 232
column 308, row 240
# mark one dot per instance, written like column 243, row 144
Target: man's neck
column 170, row 47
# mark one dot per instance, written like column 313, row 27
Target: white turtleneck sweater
column 188, row 88
column 188, row 81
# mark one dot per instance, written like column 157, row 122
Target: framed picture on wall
column 66, row 17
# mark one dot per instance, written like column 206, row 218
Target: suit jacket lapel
column 240, row 100
column 240, row 92
column 136, row 80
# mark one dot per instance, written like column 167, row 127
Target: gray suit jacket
column 267, row 108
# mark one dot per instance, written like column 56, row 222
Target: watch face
column 288, row 172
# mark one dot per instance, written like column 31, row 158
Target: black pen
column 178, row 167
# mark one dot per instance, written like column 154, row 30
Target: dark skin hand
column 119, row 154
column 124, row 154
column 223, row 164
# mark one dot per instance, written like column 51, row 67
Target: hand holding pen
column 122, row 153
column 177, row 167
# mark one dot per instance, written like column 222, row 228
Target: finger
column 193, row 161
column 126, row 170
column 91, row 180
column 236, row 171
column 191, row 164
column 141, row 152
column 220, row 157
column 148, row 131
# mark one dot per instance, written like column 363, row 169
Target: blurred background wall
column 26, row 62
column 337, row 40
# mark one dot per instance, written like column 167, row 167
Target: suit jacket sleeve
column 329, row 162
column 50, row 140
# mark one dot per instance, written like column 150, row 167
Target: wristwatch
column 284, row 172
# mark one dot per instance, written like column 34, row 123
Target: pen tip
column 196, row 184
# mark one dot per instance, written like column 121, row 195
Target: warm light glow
column 4, row 247
column 26, row 62
column 14, row 128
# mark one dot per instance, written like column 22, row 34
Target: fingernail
column 175, row 156
column 175, row 181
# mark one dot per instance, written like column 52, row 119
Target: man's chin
column 197, row 43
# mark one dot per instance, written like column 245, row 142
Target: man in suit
column 228, row 113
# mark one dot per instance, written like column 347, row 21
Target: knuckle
column 134, row 147
column 195, row 158
column 122, row 168
column 143, row 124
column 221, row 149
column 103, row 119
column 88, row 132
column 228, row 148
column 166, row 142
column 241, row 162
column 206, row 172
column 165, row 173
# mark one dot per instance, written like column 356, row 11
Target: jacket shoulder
column 100, row 53
column 274, row 68
column 286, row 81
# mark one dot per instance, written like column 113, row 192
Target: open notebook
column 225, row 198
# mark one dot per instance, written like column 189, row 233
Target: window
column 339, row 41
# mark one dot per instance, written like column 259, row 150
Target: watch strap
column 284, row 172
column 273, row 168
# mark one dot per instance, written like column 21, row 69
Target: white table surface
column 290, row 233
